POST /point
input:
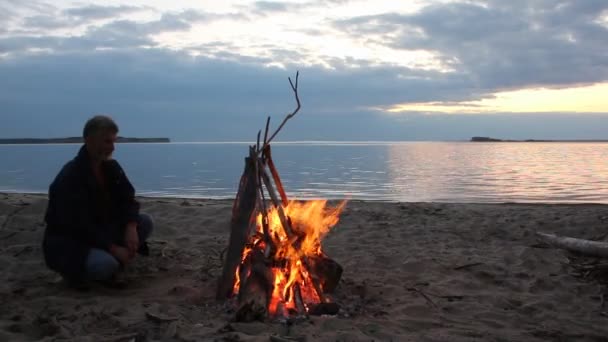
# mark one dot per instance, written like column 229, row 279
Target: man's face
column 101, row 145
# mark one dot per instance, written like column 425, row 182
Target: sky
column 368, row 70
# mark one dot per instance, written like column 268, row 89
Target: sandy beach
column 412, row 272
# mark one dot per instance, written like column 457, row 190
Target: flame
column 311, row 221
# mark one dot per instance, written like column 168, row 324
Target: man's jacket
column 82, row 214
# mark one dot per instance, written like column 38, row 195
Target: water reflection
column 411, row 171
column 500, row 172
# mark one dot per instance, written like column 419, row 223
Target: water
column 402, row 171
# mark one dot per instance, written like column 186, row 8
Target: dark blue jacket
column 81, row 214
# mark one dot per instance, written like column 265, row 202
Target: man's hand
column 132, row 238
column 121, row 253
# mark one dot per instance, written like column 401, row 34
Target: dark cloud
column 152, row 92
column 190, row 97
column 75, row 16
column 86, row 16
column 501, row 45
column 23, row 43
column 45, row 22
column 33, row 5
column 271, row 6
column 93, row 12
column 126, row 34
column 265, row 8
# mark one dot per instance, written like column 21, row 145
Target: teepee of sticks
column 274, row 264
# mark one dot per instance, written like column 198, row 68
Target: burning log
column 242, row 214
column 327, row 270
column 275, row 265
column 255, row 290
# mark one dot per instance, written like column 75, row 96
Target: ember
column 275, row 264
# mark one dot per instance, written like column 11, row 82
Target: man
column 93, row 222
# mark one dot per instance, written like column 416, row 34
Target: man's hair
column 99, row 123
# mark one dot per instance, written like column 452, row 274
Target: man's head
column 99, row 135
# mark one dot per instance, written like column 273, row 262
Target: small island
column 77, row 140
column 488, row 139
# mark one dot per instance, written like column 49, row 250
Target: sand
column 412, row 272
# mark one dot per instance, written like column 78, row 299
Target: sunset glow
column 586, row 99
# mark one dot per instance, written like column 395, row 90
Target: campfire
column 275, row 266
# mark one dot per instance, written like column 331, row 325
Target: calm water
column 407, row 171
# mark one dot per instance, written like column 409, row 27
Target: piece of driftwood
column 327, row 271
column 255, row 290
column 294, row 88
column 242, row 212
column 581, row 246
column 275, row 175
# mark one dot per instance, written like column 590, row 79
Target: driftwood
column 581, row 246
column 327, row 271
column 255, row 290
column 275, row 175
column 242, row 212
column 294, row 88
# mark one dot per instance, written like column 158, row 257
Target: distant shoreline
column 488, row 139
column 77, row 140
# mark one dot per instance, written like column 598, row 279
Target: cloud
column 76, row 16
column 121, row 33
column 6, row 13
column 153, row 92
column 94, row 19
column 271, row 6
column 93, row 12
column 45, row 22
column 177, row 90
column 501, row 45
column 265, row 8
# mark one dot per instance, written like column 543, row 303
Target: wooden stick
column 467, row 266
column 242, row 210
column 429, row 300
column 277, row 203
column 275, row 175
column 265, row 228
column 289, row 116
column 257, row 146
column 290, row 234
column 297, row 293
column 266, row 131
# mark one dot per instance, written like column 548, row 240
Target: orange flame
column 310, row 221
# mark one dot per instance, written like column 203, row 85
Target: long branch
column 294, row 88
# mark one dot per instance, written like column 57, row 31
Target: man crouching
column 93, row 222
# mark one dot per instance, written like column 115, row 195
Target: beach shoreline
column 412, row 271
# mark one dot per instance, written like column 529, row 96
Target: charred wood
column 242, row 214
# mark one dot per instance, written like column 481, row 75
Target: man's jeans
column 101, row 265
